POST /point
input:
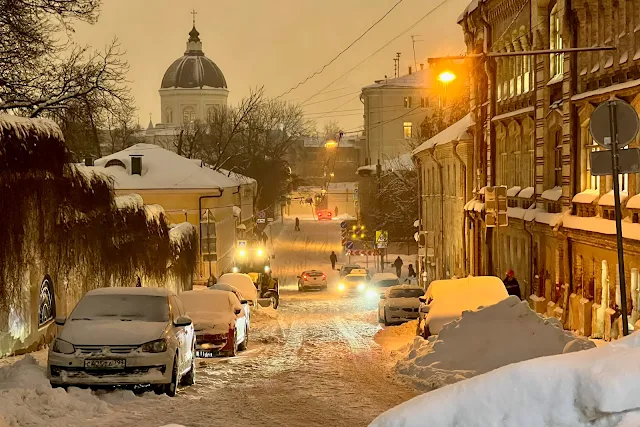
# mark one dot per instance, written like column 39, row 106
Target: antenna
column 413, row 42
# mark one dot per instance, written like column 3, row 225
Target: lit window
column 407, row 102
column 555, row 38
column 188, row 115
column 407, row 129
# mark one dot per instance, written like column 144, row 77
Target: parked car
column 125, row 337
column 243, row 283
column 445, row 300
column 324, row 215
column 399, row 304
column 353, row 283
column 346, row 269
column 219, row 321
column 380, row 282
column 238, row 294
column 312, row 279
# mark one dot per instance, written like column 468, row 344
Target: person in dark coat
column 398, row 265
column 138, row 282
column 412, row 272
column 511, row 284
column 297, row 228
column 334, row 258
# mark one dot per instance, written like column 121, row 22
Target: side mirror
column 424, row 309
column 60, row 320
column 237, row 311
column 182, row 321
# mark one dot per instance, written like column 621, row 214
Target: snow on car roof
column 131, row 291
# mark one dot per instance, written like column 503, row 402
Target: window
column 407, row 129
column 188, row 115
column 168, row 116
column 424, row 102
column 557, row 163
column 555, row 39
column 208, row 236
column 407, row 102
column 210, row 113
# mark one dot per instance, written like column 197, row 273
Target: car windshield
column 148, row 308
column 354, row 278
column 387, row 283
column 406, row 293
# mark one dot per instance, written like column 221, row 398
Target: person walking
column 398, row 265
column 336, row 211
column 511, row 284
column 297, row 228
column 334, row 258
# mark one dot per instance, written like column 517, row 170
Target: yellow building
column 219, row 204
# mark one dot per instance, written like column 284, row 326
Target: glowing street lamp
column 330, row 144
column 447, row 77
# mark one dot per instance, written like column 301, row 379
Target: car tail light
column 319, row 213
column 305, row 277
column 324, row 276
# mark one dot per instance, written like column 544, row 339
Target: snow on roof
column 24, row 127
column 405, row 286
column 587, row 196
column 130, row 291
column 517, row 213
column 129, row 201
column 551, row 219
column 419, row 79
column 605, row 90
column 455, row 132
column 513, row 114
column 609, row 200
column 553, row 194
column 527, row 193
column 634, row 202
column 237, row 211
column 161, row 169
column 513, row 191
column 602, row 226
column 404, row 162
column 241, row 179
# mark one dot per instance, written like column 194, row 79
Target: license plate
column 204, row 354
column 104, row 364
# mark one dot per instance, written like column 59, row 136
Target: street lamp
column 330, row 144
column 447, row 77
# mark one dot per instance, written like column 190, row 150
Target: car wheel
column 425, row 332
column 380, row 320
column 299, row 287
column 171, row 388
column 190, row 377
column 245, row 342
column 384, row 320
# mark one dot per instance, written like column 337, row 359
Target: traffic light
column 358, row 232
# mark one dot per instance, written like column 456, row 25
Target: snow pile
column 129, row 201
column 396, row 337
column 264, row 314
column 181, row 233
column 484, row 340
column 590, row 388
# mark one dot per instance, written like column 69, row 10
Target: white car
column 312, row 279
column 399, row 304
column 243, row 283
column 219, row 321
column 380, row 282
column 445, row 300
column 125, row 337
column 353, row 283
column 238, row 294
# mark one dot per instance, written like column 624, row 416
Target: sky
column 277, row 44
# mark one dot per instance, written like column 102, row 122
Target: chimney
column 136, row 164
column 421, row 67
column 409, row 69
column 88, row 161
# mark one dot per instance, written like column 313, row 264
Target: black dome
column 193, row 70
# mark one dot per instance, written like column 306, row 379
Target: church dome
column 194, row 69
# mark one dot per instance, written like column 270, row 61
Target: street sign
column 349, row 245
column 242, row 243
column 269, row 219
column 262, row 214
column 628, row 162
column 382, row 238
column 343, row 224
column 627, row 123
column 261, row 221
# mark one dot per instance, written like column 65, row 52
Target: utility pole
column 413, row 42
column 398, row 62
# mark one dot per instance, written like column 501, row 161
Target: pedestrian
column 297, row 228
column 398, row 265
column 511, row 284
column 138, row 282
column 336, row 211
column 334, row 258
column 412, row 272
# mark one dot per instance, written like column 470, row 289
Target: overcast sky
column 276, row 44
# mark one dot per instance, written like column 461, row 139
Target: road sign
column 262, row 214
column 349, row 245
column 628, row 162
column 242, row 243
column 269, row 219
column 627, row 123
column 343, row 224
column 382, row 238
column 261, row 220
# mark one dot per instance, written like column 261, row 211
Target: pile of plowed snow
column 481, row 341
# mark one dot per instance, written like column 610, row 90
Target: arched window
column 46, row 302
column 168, row 116
column 555, row 41
column 188, row 115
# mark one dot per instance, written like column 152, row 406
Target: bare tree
column 331, row 130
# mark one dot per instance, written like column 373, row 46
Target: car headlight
column 266, row 269
column 341, row 287
column 157, row 346
column 371, row 293
column 260, row 252
column 361, row 287
column 63, row 347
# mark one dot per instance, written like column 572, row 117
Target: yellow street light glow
column 353, row 228
column 341, row 287
column 242, row 252
column 362, row 236
column 330, row 144
column 332, row 175
column 260, row 252
column 447, row 77
column 353, row 236
column 235, row 269
column 362, row 227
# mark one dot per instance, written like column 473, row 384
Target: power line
column 330, row 99
column 341, row 52
column 377, row 51
column 383, row 122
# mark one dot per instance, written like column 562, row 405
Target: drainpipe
column 200, row 219
column 532, row 273
column 464, row 192
column 431, row 152
column 417, row 160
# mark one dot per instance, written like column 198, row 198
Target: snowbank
column 396, row 337
column 590, row 388
column 484, row 340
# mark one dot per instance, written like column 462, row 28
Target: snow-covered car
column 125, row 337
column 445, row 300
column 352, row 283
column 380, row 282
column 243, row 283
column 238, row 294
column 312, row 279
column 219, row 322
column 399, row 304
column 346, row 269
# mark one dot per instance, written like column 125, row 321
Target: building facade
column 530, row 128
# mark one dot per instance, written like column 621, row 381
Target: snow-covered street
column 313, row 362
